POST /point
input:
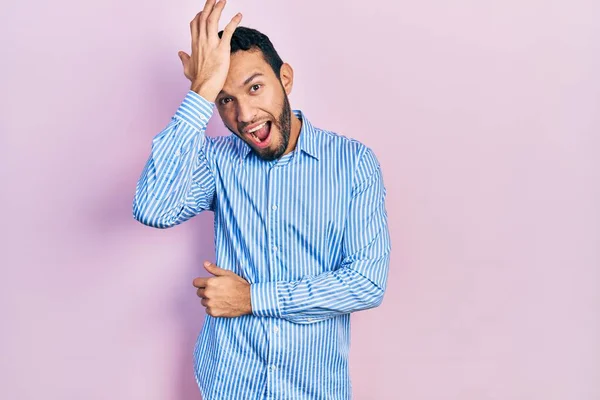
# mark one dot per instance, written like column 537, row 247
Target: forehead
column 244, row 64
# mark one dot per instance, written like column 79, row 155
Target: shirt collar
column 307, row 140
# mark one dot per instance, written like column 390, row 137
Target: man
column 301, row 230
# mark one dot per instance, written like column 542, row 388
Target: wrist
column 205, row 91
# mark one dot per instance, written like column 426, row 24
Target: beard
column 283, row 124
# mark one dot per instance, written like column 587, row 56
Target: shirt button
column 309, row 319
column 274, row 208
column 272, row 367
column 276, row 329
column 274, row 248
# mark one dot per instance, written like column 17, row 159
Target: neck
column 296, row 126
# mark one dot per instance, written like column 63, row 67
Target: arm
column 178, row 181
column 359, row 281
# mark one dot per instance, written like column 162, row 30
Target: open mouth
column 261, row 135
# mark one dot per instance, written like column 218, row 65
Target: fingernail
column 206, row 263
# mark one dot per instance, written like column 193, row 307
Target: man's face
column 254, row 106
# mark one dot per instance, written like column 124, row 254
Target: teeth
column 257, row 128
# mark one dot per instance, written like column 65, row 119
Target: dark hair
column 250, row 39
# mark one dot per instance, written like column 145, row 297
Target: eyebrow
column 247, row 81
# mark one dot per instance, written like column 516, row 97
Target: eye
column 224, row 100
column 255, row 87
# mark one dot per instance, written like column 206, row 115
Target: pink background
column 484, row 115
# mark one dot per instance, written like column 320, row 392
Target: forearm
column 359, row 282
column 171, row 182
column 316, row 298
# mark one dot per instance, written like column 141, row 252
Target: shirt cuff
column 195, row 110
column 264, row 299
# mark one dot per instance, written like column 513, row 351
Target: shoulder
column 334, row 145
column 351, row 159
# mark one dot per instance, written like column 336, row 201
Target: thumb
column 213, row 269
column 184, row 57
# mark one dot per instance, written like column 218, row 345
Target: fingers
column 200, row 282
column 201, row 292
column 208, row 7
column 212, row 27
column 194, row 30
column 206, row 23
column 230, row 28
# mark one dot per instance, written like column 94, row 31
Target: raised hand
column 208, row 65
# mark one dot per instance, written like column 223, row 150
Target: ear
column 286, row 74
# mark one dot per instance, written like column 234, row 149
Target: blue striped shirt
column 308, row 232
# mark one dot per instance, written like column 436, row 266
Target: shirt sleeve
column 360, row 280
column 178, row 179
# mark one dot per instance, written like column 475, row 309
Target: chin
column 270, row 147
column 270, row 153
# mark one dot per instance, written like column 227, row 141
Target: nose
column 246, row 113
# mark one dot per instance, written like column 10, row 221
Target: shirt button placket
column 273, row 260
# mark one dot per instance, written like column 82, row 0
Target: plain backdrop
column 485, row 116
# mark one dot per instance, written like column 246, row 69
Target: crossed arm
column 357, row 284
